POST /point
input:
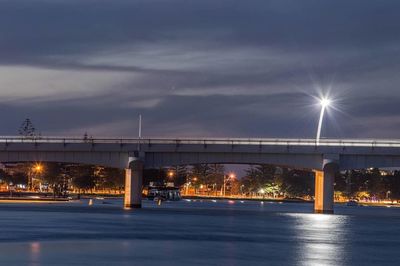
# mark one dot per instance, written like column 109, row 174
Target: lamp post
column 36, row 169
column 194, row 181
column 187, row 183
column 226, row 179
column 325, row 103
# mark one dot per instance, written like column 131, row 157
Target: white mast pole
column 140, row 126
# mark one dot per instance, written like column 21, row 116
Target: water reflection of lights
column 35, row 247
column 321, row 238
column 34, row 251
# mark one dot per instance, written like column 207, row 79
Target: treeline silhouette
column 266, row 180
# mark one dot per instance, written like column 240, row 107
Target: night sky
column 200, row 68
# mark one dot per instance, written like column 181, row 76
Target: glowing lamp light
column 38, row 168
column 325, row 102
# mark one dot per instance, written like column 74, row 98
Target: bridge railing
column 207, row 141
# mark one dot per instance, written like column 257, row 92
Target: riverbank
column 289, row 200
column 30, row 197
column 379, row 204
column 31, row 200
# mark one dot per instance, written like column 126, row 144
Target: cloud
column 200, row 68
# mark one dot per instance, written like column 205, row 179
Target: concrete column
column 133, row 184
column 324, row 193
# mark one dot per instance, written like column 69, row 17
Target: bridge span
column 324, row 157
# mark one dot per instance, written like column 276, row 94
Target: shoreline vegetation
column 57, row 180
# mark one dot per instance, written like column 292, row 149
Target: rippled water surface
column 197, row 233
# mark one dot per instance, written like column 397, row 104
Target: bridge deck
column 210, row 141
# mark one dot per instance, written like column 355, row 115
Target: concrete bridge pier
column 324, row 192
column 133, row 184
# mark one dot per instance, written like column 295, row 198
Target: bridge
column 324, row 157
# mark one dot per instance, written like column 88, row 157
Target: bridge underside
column 162, row 159
column 119, row 158
column 108, row 159
column 299, row 161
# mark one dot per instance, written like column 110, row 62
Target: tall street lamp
column 325, row 103
column 37, row 169
column 226, row 179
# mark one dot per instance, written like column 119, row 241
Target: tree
column 235, row 187
column 110, row 178
column 216, row 175
column 394, row 185
column 179, row 175
column 377, row 183
column 298, row 183
column 249, row 180
column 19, row 178
column 27, row 129
column 84, row 182
column 258, row 177
column 276, row 180
column 199, row 173
column 53, row 175
column 154, row 176
column 4, row 177
column 83, row 177
column 341, row 182
column 359, row 181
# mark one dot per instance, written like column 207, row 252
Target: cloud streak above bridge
column 200, row 68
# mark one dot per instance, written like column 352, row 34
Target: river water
column 201, row 232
